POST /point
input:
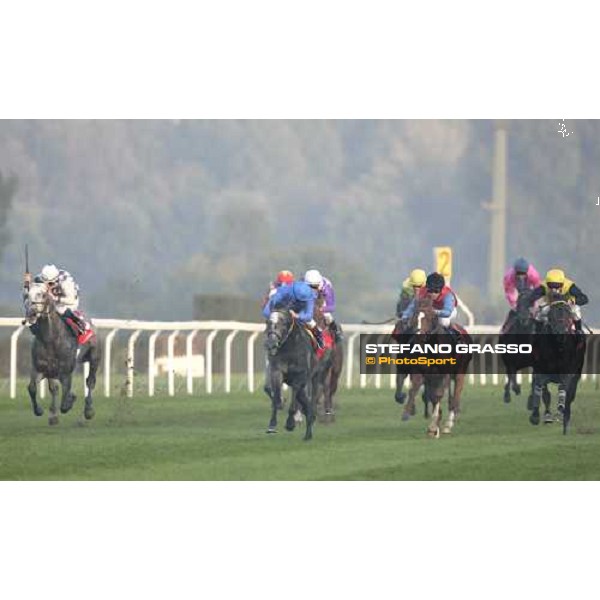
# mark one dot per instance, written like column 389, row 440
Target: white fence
column 190, row 329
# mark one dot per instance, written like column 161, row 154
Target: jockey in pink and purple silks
column 521, row 276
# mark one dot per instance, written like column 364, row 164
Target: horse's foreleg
column 304, row 397
column 434, row 426
column 410, row 409
column 36, row 377
column 94, row 361
column 53, row 387
column 68, row 397
column 511, row 379
column 454, row 402
column 536, row 398
column 274, row 384
column 400, row 395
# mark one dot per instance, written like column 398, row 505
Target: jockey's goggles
column 555, row 286
column 521, row 273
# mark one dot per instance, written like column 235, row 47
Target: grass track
column 223, row 438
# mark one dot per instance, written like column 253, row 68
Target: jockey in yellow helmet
column 414, row 282
column 557, row 286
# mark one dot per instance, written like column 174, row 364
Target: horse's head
column 39, row 302
column 427, row 318
column 560, row 318
column 279, row 325
column 523, row 308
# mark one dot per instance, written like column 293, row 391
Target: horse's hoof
column 290, row 426
column 446, row 429
column 271, row 430
column 507, row 398
column 548, row 418
column 89, row 413
column 534, row 418
column 517, row 389
column 38, row 411
column 400, row 397
column 53, row 420
column 308, row 437
column 405, row 416
column 530, row 402
column 434, row 433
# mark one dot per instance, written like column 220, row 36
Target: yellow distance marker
column 443, row 261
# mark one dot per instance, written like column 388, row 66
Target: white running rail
column 190, row 329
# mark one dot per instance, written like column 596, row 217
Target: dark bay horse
column 328, row 369
column 519, row 328
column 291, row 360
column 54, row 355
column 559, row 354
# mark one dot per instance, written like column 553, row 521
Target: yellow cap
column 417, row 277
column 555, row 276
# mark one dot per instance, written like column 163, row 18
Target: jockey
column 521, row 276
column 324, row 288
column 554, row 286
column 299, row 298
column 410, row 286
column 65, row 291
column 444, row 300
column 283, row 278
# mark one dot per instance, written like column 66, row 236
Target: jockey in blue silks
column 299, row 298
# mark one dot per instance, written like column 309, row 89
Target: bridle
column 40, row 303
column 274, row 318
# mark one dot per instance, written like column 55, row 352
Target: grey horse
column 54, row 355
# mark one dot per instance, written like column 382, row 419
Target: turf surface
column 223, row 438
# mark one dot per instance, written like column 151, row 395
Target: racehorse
column 519, row 328
column 54, row 355
column 559, row 354
column 402, row 334
column 291, row 360
column 436, row 379
column 330, row 361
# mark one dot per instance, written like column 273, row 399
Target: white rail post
column 209, row 348
column 13, row 360
column 170, row 366
column 107, row 348
column 130, row 361
column 151, row 357
column 250, row 360
column 467, row 311
column 350, row 359
column 189, row 352
column 228, row 342
column 378, row 374
column 595, row 361
column 86, row 374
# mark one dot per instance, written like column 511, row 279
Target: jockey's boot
column 578, row 326
column 337, row 332
column 75, row 322
column 78, row 327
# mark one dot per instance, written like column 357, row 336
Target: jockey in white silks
column 65, row 292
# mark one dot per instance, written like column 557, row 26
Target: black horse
column 559, row 354
column 54, row 355
column 291, row 360
column 519, row 329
